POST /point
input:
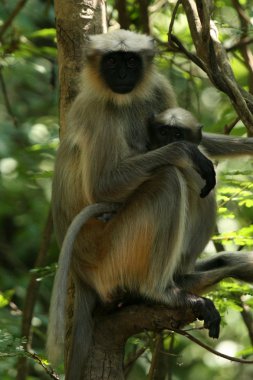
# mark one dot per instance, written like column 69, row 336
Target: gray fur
column 163, row 225
column 218, row 146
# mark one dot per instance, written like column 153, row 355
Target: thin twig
column 6, row 99
column 217, row 244
column 157, row 350
column 128, row 364
column 31, row 295
column 48, row 370
column 173, row 17
column 229, row 127
column 245, row 50
column 174, row 41
column 237, row 45
column 244, row 18
column 248, row 320
column 159, row 4
column 12, row 16
column 206, row 347
column 235, row 194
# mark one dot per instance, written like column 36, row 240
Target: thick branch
column 105, row 360
column 144, row 14
column 212, row 53
column 123, row 16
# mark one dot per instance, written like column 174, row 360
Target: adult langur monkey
column 103, row 158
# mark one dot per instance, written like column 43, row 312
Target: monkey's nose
column 122, row 73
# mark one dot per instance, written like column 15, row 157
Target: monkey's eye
column 111, row 62
column 178, row 134
column 132, row 62
column 164, row 131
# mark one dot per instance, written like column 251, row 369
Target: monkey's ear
column 151, row 51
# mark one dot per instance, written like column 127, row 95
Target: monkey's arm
column 218, row 146
column 133, row 171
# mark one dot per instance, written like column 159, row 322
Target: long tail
column 219, row 146
column 81, row 334
column 211, row 271
column 83, row 301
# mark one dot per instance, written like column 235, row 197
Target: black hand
column 205, row 169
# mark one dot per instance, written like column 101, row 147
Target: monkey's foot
column 205, row 310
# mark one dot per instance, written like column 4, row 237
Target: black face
column 160, row 135
column 121, row 71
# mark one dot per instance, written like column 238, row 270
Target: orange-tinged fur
column 150, row 246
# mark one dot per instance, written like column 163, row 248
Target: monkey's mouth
column 122, row 89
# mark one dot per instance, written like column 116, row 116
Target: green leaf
column 44, row 272
column 44, row 33
column 5, row 297
column 10, row 345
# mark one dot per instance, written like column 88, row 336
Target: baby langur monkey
column 172, row 125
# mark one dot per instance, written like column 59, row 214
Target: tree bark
column 75, row 20
column 144, row 16
column 212, row 55
column 123, row 16
column 111, row 331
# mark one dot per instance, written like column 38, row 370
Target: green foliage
column 47, row 271
column 229, row 295
column 29, row 135
column 5, row 297
column 10, row 346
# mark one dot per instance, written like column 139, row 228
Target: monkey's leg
column 174, row 235
column 208, row 273
column 211, row 271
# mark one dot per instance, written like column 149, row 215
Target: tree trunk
column 111, row 331
column 75, row 20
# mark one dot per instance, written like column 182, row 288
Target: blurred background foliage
column 29, row 138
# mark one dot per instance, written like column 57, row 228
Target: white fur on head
column 178, row 116
column 120, row 40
